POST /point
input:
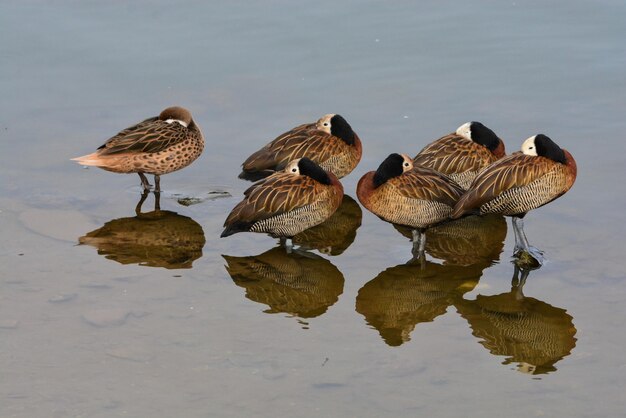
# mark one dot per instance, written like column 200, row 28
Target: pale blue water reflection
column 86, row 336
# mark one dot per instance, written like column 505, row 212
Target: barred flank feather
column 285, row 204
column 517, row 184
column 418, row 197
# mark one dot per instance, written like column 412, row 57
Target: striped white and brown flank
column 413, row 196
column 286, row 203
column 158, row 145
column 335, row 234
column 519, row 183
column 330, row 142
column 463, row 153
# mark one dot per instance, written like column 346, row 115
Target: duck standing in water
column 156, row 146
column 519, row 183
column 413, row 196
column 287, row 203
column 463, row 153
column 330, row 142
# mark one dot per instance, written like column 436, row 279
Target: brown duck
column 329, row 142
column 462, row 154
column 157, row 146
column 408, row 195
column 287, row 203
column 519, row 183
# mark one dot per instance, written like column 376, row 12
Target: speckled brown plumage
column 157, row 146
column 287, row 203
column 462, row 154
column 334, row 146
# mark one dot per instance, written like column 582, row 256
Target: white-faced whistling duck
column 519, row 183
column 330, row 142
column 463, row 153
column 286, row 203
column 413, row 196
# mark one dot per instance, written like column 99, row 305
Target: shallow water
column 154, row 315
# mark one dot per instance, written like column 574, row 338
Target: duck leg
column 157, row 200
column 521, row 242
column 144, row 181
column 157, row 183
column 287, row 243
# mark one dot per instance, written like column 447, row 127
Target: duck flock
column 297, row 175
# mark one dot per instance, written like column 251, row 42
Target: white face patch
column 324, row 123
column 407, row 164
column 465, row 131
column 292, row 167
column 528, row 146
column 176, row 120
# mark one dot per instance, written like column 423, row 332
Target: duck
column 286, row 203
column 410, row 195
column 330, row 142
column 462, row 154
column 514, row 185
column 157, row 146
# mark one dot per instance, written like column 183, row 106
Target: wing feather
column 279, row 193
column 515, row 170
column 150, row 136
column 304, row 140
column 425, row 184
column 454, row 154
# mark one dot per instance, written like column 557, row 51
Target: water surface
column 154, row 315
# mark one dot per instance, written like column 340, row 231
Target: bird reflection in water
column 529, row 332
column 401, row 297
column 155, row 239
column 302, row 284
column 337, row 233
column 467, row 241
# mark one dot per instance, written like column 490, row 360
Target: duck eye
column 325, row 123
column 293, row 170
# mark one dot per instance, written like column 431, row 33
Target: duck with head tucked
column 519, row 183
column 413, row 196
column 157, row 146
column 287, row 203
column 463, row 153
column 330, row 142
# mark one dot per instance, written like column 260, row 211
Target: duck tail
column 92, row 159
